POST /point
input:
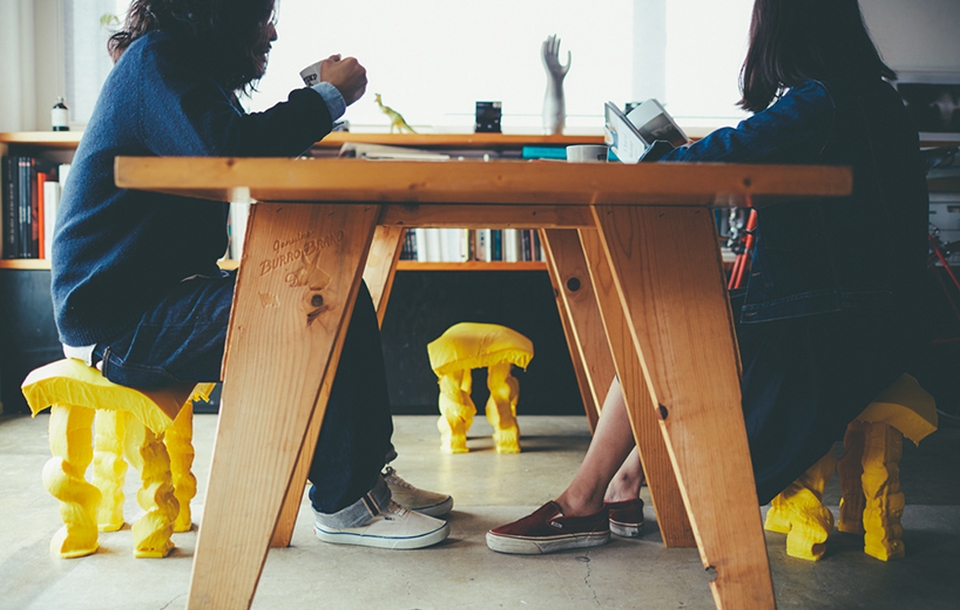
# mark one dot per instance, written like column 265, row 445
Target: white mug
column 586, row 153
column 311, row 74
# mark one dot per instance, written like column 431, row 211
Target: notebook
column 630, row 135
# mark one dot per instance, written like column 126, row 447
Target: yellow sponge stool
column 872, row 502
column 466, row 346
column 130, row 428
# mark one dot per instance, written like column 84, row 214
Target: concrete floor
column 489, row 489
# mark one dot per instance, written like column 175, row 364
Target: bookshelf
column 427, row 295
column 60, row 146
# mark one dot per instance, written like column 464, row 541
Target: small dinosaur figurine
column 396, row 119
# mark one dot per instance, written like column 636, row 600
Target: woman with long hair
column 827, row 319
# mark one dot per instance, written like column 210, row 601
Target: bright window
column 85, row 52
column 432, row 60
column 706, row 44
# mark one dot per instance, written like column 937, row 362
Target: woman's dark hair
column 795, row 40
column 228, row 35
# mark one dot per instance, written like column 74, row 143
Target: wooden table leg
column 582, row 325
column 664, row 491
column 666, row 265
column 378, row 273
column 297, row 282
column 381, row 265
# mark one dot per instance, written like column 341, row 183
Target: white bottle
column 60, row 116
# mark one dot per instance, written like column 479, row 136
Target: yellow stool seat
column 150, row 430
column 453, row 355
column 872, row 502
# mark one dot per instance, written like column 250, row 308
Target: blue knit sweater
column 117, row 252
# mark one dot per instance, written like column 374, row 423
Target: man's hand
column 347, row 75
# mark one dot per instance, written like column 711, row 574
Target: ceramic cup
column 311, row 74
column 586, row 153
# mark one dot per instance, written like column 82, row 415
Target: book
column 40, row 229
column 482, row 248
column 629, row 136
column 432, row 241
column 24, row 205
column 543, row 152
column 466, row 245
column 11, row 208
column 386, row 153
column 496, row 244
column 408, row 251
column 526, row 245
column 421, row 249
column 51, row 203
column 511, row 246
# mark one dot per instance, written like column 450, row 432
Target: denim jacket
column 831, row 254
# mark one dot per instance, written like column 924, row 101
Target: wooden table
column 634, row 252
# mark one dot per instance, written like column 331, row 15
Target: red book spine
column 38, row 228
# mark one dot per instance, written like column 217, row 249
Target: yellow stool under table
column 153, row 431
column 453, row 355
column 871, row 503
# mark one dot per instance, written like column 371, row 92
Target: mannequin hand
column 550, row 52
column 347, row 75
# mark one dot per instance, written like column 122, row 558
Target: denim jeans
column 182, row 338
column 805, row 379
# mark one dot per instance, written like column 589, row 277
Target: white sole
column 384, row 542
column 626, row 530
column 541, row 545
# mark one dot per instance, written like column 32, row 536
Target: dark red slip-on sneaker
column 546, row 530
column 626, row 518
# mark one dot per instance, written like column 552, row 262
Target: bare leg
column 611, row 444
column 627, row 481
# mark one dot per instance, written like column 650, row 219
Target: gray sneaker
column 422, row 501
column 393, row 528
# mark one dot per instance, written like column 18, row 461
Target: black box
column 488, row 117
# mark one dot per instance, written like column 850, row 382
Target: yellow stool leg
column 883, row 535
column 152, row 531
column 799, row 511
column 179, row 441
column 109, row 467
column 502, row 408
column 456, row 411
column 71, row 443
column 850, row 469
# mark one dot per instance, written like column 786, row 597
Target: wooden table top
column 478, row 182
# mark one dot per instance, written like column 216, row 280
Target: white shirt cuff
column 335, row 103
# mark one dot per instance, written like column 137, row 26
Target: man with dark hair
column 136, row 287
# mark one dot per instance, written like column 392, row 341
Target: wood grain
column 381, row 266
column 586, row 335
column 472, row 182
column 666, row 265
column 297, row 282
column 591, row 405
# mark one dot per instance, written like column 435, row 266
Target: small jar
column 60, row 116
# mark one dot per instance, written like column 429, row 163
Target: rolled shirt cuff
column 331, row 95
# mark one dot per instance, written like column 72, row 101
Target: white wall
column 916, row 35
